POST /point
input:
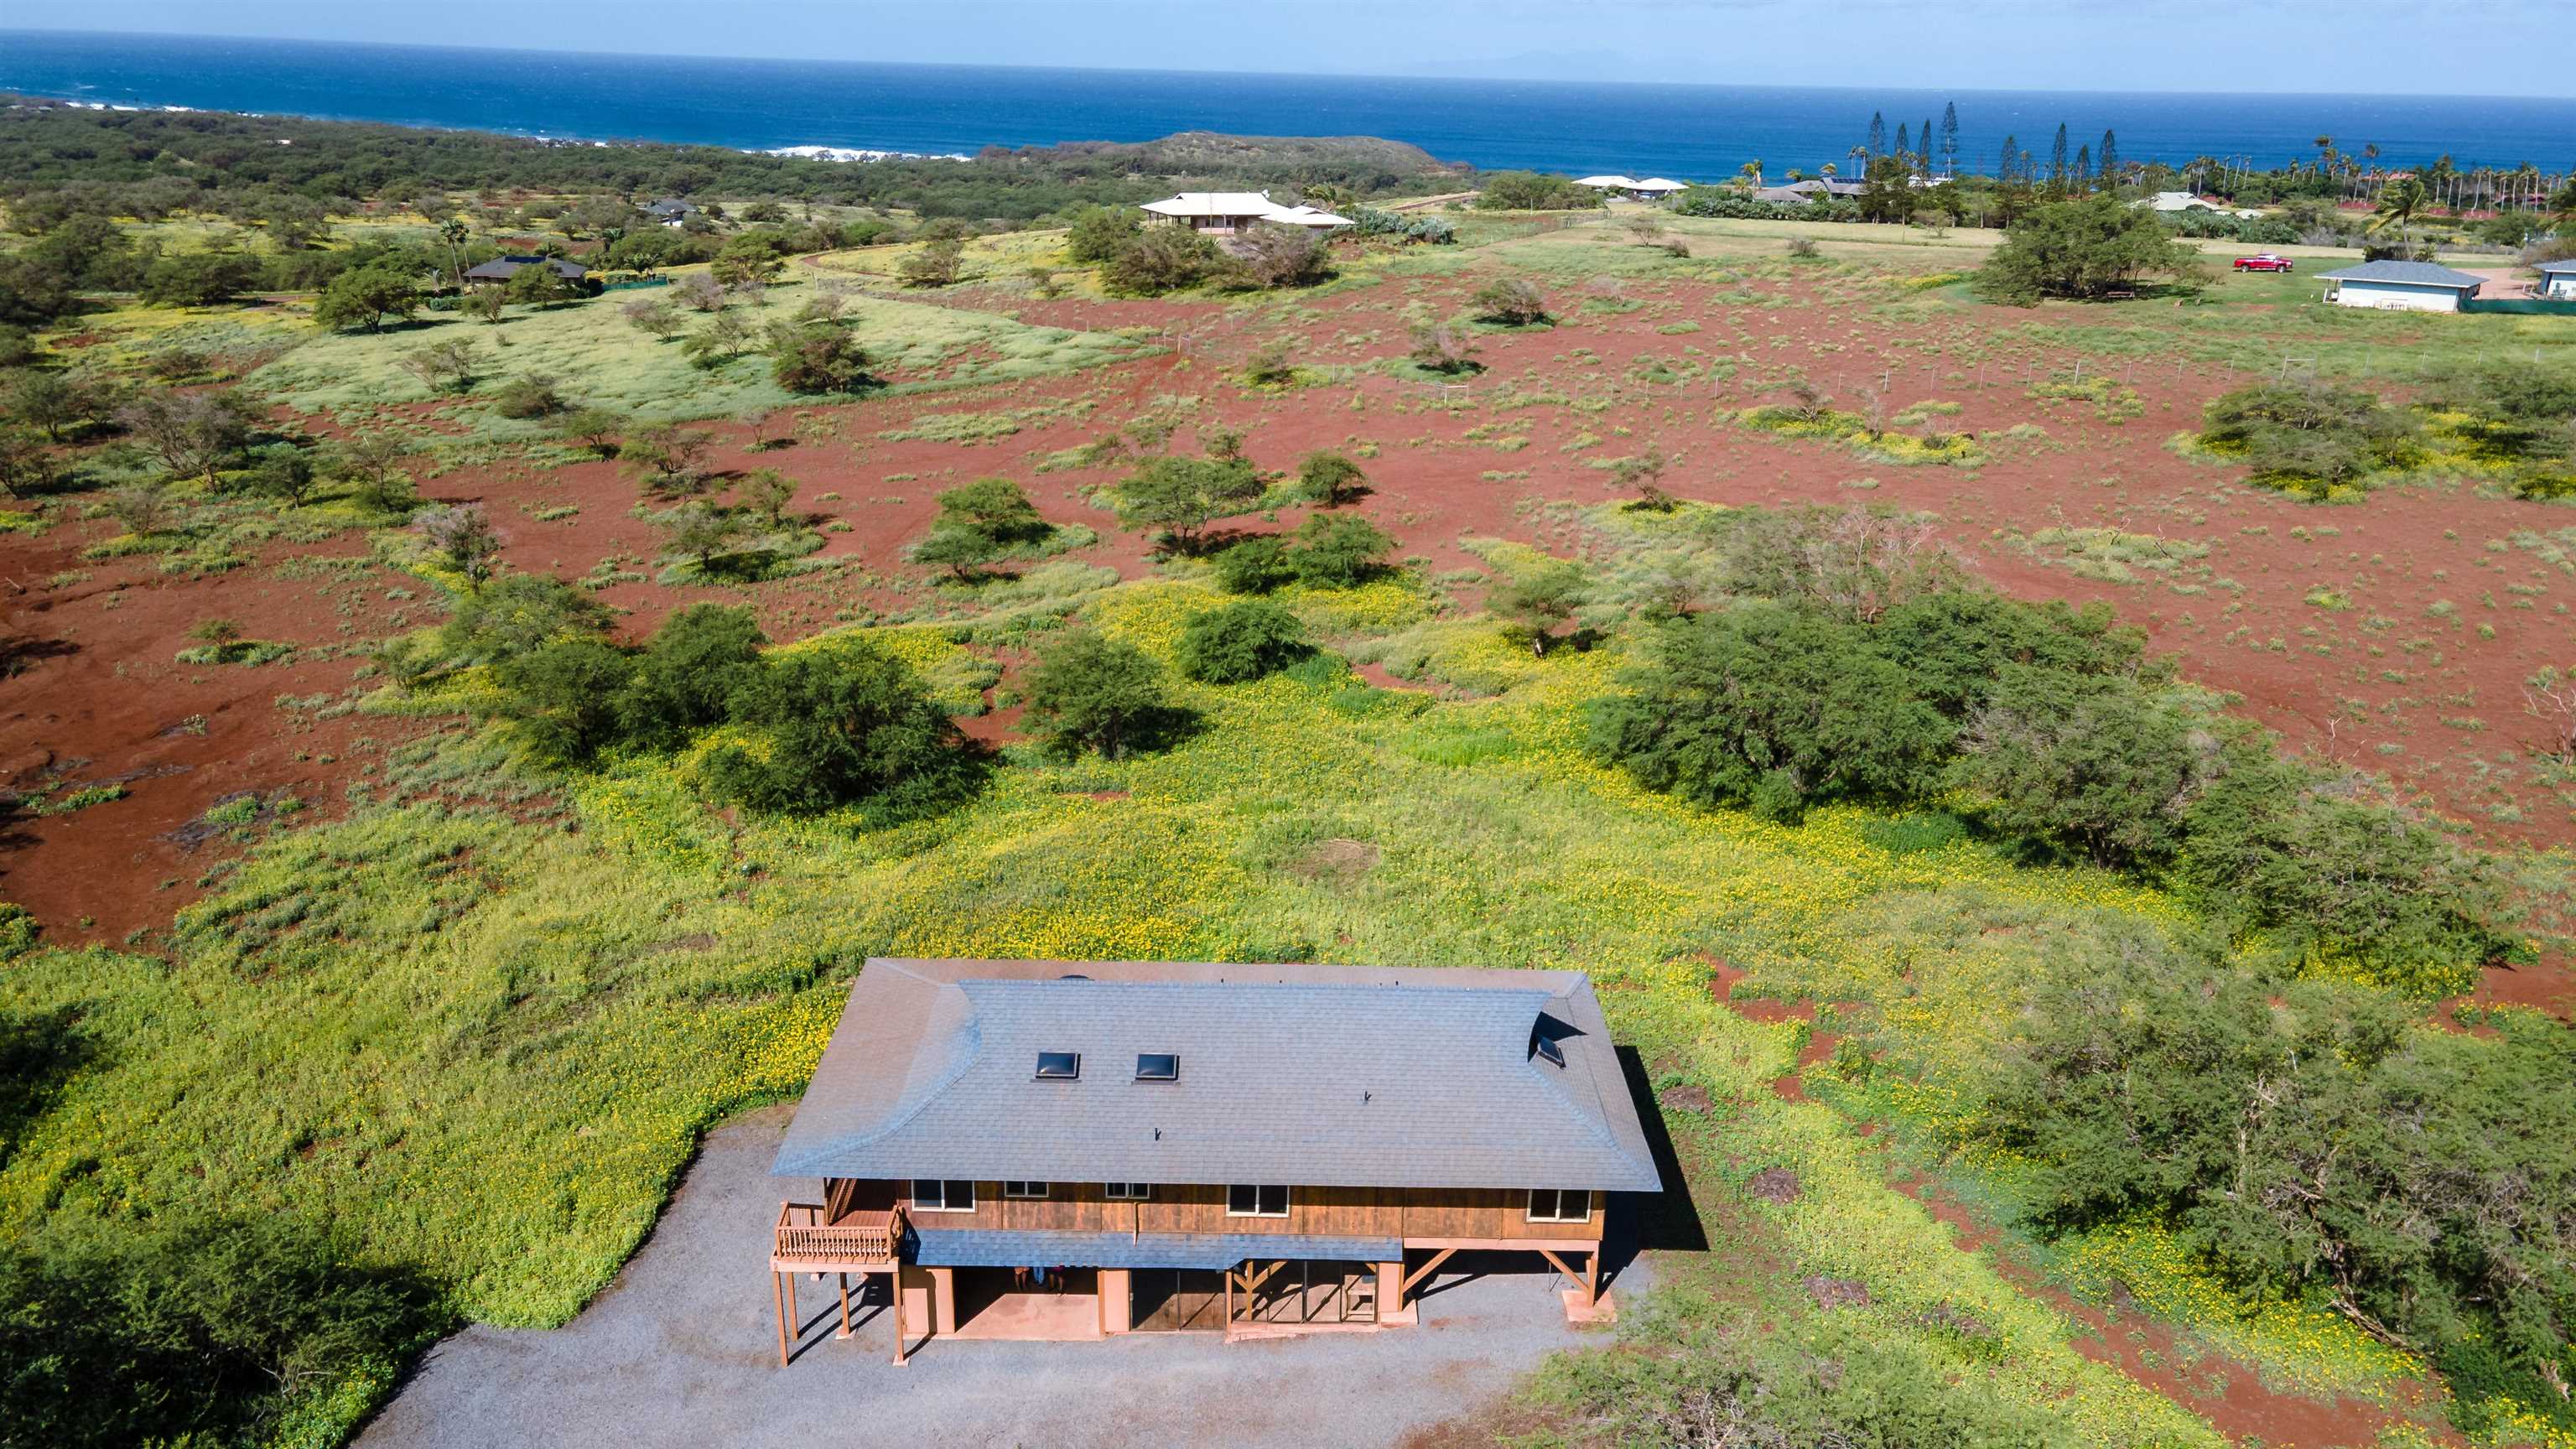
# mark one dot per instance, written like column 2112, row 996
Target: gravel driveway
column 681, row 1349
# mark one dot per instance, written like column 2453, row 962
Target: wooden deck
column 811, row 1240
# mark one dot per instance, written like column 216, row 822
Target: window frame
column 947, row 1202
column 1022, row 1191
column 1531, row 1214
column 1127, row 1192
column 1058, row 1067
column 1287, row 1199
column 1173, row 1057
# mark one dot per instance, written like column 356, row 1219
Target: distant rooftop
column 2406, row 274
column 1325, row 1076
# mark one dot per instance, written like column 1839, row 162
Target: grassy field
column 477, row 1030
column 598, row 357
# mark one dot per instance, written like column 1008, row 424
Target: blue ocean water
column 1689, row 132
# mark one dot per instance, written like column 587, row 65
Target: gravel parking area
column 682, row 1350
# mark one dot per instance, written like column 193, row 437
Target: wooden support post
column 1592, row 1281
column 845, row 1307
column 1229, row 1301
column 795, row 1315
column 778, row 1296
column 896, row 1277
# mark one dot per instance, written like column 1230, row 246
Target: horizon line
column 1283, row 74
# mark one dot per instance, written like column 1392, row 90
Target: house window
column 932, row 1196
column 1560, row 1205
column 1256, row 1200
column 1157, row 1067
column 1126, row 1191
column 1024, row 1189
column 1059, row 1066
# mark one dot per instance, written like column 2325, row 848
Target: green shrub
column 1240, row 642
column 516, row 615
column 532, row 396
column 684, row 677
column 845, row 725
column 1097, row 694
column 2310, row 441
column 2310, row 1138
column 1160, row 259
column 1329, row 478
column 1098, row 232
column 1774, row 709
column 1339, row 551
column 186, row 1329
column 564, row 695
column 1255, row 566
column 2082, row 250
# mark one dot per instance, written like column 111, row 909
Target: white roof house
column 2177, row 201
column 2402, row 286
column 1608, row 183
column 1238, row 210
column 1310, row 216
column 1659, row 186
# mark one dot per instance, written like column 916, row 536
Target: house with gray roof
column 1247, row 1149
column 2557, row 280
column 2401, row 286
column 502, row 269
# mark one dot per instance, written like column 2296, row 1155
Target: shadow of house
column 1662, row 1222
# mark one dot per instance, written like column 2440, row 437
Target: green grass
column 597, row 357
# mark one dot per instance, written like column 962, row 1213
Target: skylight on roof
column 1059, row 1066
column 1548, row 1048
column 1157, row 1067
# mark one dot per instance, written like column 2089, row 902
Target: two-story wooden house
column 1247, row 1148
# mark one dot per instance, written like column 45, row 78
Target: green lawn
column 481, row 1039
column 597, row 357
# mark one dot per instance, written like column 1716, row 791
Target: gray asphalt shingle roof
column 2566, row 266
column 502, row 269
column 1319, row 1076
column 2413, row 274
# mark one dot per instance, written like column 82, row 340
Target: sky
column 2473, row 46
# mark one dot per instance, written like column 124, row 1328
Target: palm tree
column 2562, row 203
column 455, row 230
column 2400, row 203
column 1753, row 173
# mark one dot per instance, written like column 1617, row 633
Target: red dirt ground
column 2407, row 687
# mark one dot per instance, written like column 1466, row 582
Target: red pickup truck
column 2264, row 263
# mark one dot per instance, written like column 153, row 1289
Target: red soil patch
column 2230, row 1395
column 105, row 701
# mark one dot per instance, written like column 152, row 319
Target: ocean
column 1689, row 132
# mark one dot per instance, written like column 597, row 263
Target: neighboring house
column 2173, row 201
column 1815, row 186
column 1782, row 195
column 1313, row 218
column 1231, row 212
column 2557, row 279
column 502, row 269
column 1609, row 182
column 670, row 211
column 2402, row 286
column 1253, row 1148
column 1656, row 188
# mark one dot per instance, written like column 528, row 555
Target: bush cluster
column 2054, row 729
column 804, row 731
column 1332, row 551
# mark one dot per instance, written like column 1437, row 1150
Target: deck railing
column 857, row 1237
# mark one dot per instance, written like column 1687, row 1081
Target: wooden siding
column 1389, row 1212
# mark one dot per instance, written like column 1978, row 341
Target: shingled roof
column 2405, row 274
column 1325, row 1076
